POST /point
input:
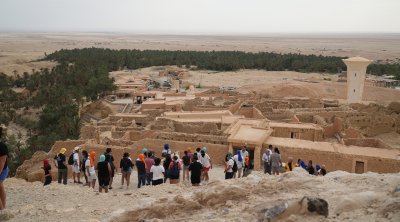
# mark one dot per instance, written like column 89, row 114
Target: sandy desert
column 19, row 51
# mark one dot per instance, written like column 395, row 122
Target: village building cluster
column 149, row 115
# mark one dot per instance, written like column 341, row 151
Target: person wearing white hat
column 76, row 171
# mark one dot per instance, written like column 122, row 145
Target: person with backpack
column 186, row 164
column 103, row 173
column 110, row 160
column 230, row 167
column 85, row 156
column 167, row 162
column 76, row 169
column 61, row 164
column 174, row 171
column 141, row 168
column 195, row 169
column 239, row 160
column 126, row 166
column 158, row 172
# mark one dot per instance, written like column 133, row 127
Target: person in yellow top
column 290, row 165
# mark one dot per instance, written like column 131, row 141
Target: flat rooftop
column 294, row 125
column 334, row 147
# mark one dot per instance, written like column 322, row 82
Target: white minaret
column 356, row 69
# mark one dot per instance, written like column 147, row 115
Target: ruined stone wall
column 303, row 134
column 367, row 142
column 198, row 138
column 88, row 132
column 197, row 127
column 372, row 124
column 338, row 161
column 235, row 107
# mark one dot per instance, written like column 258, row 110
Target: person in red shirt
column 149, row 163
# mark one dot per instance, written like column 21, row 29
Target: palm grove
column 82, row 76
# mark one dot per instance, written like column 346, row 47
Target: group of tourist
column 151, row 170
column 155, row 170
column 273, row 164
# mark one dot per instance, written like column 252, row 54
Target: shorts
column 129, row 171
column 157, row 182
column 4, row 174
column 76, row 169
column 92, row 176
column 185, row 167
column 104, row 181
column 206, row 169
column 275, row 169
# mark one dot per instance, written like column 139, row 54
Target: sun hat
column 63, row 150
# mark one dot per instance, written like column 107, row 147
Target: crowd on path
column 155, row 170
column 151, row 169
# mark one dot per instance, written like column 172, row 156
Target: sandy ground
column 19, row 50
column 351, row 197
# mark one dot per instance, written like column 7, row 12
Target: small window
column 292, row 135
column 355, row 74
column 354, row 90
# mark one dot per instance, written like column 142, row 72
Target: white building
column 356, row 69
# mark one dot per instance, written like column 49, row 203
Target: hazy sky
column 201, row 16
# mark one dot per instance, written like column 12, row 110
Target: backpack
column 71, row 159
column 174, row 171
column 234, row 168
column 83, row 167
column 186, row 160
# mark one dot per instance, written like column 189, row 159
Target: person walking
column 126, row 166
column 149, row 163
column 276, row 162
column 47, row 172
column 90, row 170
column 4, row 170
column 238, row 158
column 61, row 164
column 166, row 163
column 186, row 164
column 267, row 161
column 141, row 168
column 158, row 172
column 195, row 169
column 85, row 156
column 205, row 160
column 110, row 160
column 76, row 167
column 103, row 173
column 229, row 166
